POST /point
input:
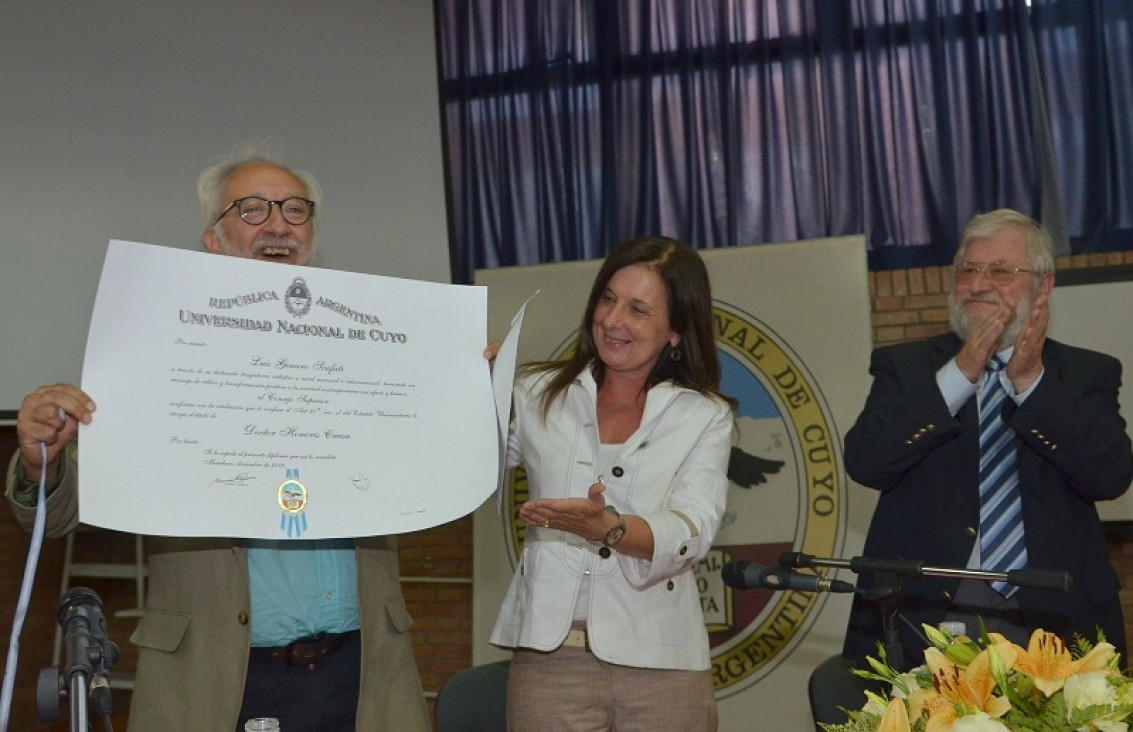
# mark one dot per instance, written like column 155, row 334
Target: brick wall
column 436, row 570
column 437, row 564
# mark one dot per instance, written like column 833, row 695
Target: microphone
column 89, row 653
column 743, row 575
column 84, row 626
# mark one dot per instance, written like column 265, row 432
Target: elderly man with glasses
column 313, row 633
column 989, row 447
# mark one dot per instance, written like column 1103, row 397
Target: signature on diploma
column 237, row 480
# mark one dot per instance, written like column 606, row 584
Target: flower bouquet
column 993, row 685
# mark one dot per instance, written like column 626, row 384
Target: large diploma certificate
column 248, row 399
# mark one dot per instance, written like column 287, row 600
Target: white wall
column 109, row 110
column 1096, row 317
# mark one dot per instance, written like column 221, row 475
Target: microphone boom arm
column 1039, row 579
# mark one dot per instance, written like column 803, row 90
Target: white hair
column 210, row 184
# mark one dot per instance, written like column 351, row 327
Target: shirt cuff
column 954, row 386
column 1022, row 397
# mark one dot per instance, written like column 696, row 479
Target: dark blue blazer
column 1073, row 451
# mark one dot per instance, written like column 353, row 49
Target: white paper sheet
column 250, row 399
column 503, row 377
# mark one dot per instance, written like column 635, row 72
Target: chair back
column 832, row 688
column 474, row 700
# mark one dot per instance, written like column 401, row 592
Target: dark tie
column 1002, row 545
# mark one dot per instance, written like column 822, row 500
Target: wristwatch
column 616, row 534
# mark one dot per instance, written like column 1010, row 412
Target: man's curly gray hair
column 210, row 184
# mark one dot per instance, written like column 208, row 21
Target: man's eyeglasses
column 997, row 273
column 256, row 210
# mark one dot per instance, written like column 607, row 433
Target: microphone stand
column 887, row 591
column 887, row 594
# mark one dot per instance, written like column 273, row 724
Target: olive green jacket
column 194, row 635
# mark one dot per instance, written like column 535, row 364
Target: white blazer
column 672, row 472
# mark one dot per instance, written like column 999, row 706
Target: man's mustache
column 276, row 242
column 989, row 299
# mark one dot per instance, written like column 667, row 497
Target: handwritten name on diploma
column 252, row 430
column 285, row 363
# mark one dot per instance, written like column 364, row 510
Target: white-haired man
column 313, row 633
column 989, row 447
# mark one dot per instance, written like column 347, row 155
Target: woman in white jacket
column 626, row 447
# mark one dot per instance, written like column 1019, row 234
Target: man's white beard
column 962, row 325
column 265, row 241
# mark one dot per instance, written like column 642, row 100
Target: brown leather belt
column 305, row 651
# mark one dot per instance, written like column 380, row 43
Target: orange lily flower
column 895, row 719
column 969, row 687
column 1048, row 661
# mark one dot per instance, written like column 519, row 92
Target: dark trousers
column 976, row 601
column 305, row 698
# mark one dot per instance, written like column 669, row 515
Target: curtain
column 572, row 125
column 1085, row 51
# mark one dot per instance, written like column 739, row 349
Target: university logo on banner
column 787, row 494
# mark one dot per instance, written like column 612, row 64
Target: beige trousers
column 569, row 690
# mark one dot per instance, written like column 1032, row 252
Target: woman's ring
column 547, row 524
